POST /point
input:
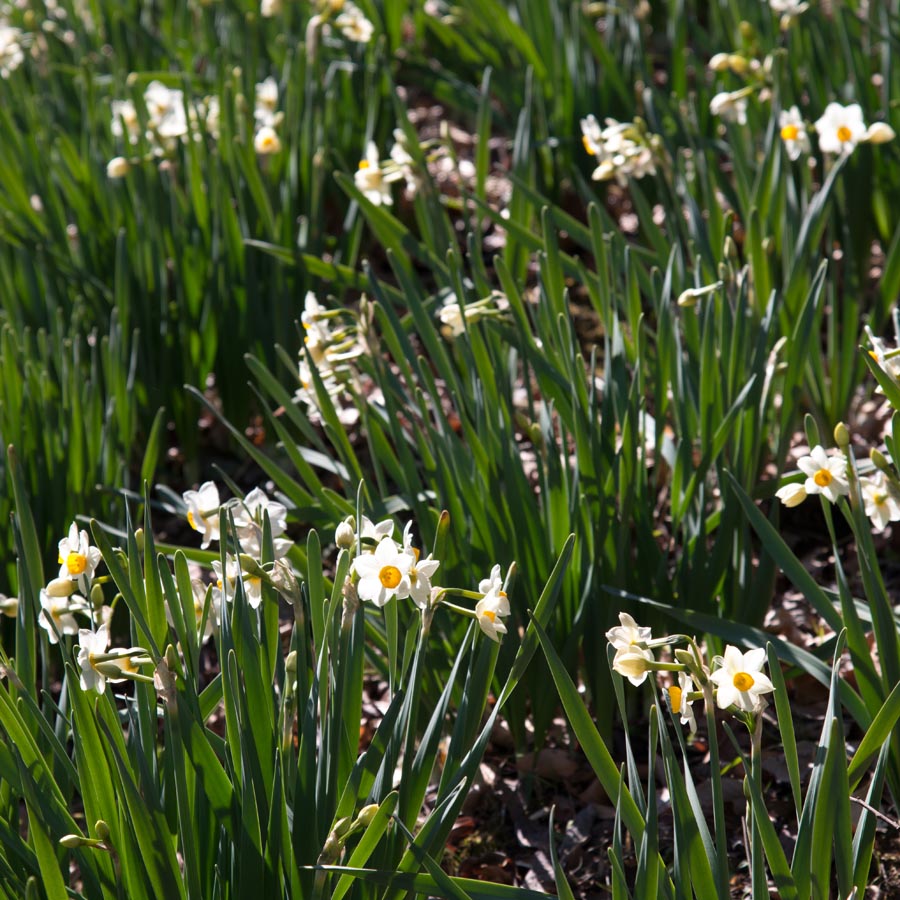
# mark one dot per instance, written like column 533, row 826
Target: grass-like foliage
column 514, row 270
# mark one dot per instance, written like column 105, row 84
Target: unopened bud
column 96, row 596
column 748, row 32
column 730, row 248
column 344, row 534
column 72, row 841
column 685, row 657
column 250, row 566
column 842, row 435
column 101, row 829
column 719, row 62
column 879, row 133
column 690, row 297
column 738, row 64
column 366, row 814
column 879, row 460
column 61, row 587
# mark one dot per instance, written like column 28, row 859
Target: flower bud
column 101, row 829
column 879, row 133
column 842, row 435
column 738, row 64
column 366, row 814
column 117, row 167
column 9, row 606
column 719, row 62
column 61, row 587
column 344, row 535
column 880, row 461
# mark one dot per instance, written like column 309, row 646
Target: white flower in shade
column 266, row 101
column 267, row 141
column 252, row 583
column 592, row 136
column 372, row 180
column 793, row 132
column 92, row 644
column 125, row 120
column 740, row 680
column 840, row 128
column 353, row 24
column 678, row 698
column 203, row 511
column 881, row 500
column 271, row 8
column 888, row 358
column 77, row 558
column 493, row 606
column 56, row 613
column 632, row 662
column 9, row 606
column 383, row 574
column 420, row 572
column 791, row 494
column 628, row 632
column 162, row 101
column 732, row 107
column 249, row 517
column 826, row 475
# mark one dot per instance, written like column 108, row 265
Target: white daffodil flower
column 493, row 606
column 881, row 500
column 628, row 632
column 678, row 697
column 372, row 180
column 732, row 107
column 826, row 475
column 740, row 680
column 792, row 129
column 58, row 611
column 840, row 128
column 791, row 494
column 420, row 572
column 252, row 583
column 90, row 645
column 77, row 558
column 383, row 574
column 203, row 511
column 267, row 141
column 631, row 661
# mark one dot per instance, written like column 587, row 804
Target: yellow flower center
column 490, row 615
column 874, row 355
column 743, row 681
column 76, row 563
column 192, row 521
column 790, row 133
column 675, row 697
column 389, row 576
column 844, row 134
column 879, row 499
column 587, row 145
column 823, row 478
column 363, row 164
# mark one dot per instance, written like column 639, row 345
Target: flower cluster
column 12, row 53
column 331, row 342
column 623, row 150
column 64, row 596
column 249, row 516
column 830, row 476
column 735, row 679
column 346, row 16
column 455, row 317
column 100, row 664
column 384, row 568
column 168, row 119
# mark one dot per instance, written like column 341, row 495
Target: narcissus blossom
column 792, row 129
column 492, row 606
column 628, row 632
column 77, row 558
column 631, row 661
column 383, row 574
column 203, row 511
column 840, row 128
column 882, row 503
column 826, row 475
column 740, row 680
